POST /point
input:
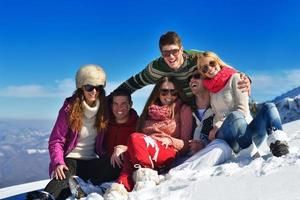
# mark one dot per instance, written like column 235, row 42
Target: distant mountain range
column 288, row 105
column 23, row 151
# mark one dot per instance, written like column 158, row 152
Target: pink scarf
column 159, row 120
column 156, row 112
column 218, row 82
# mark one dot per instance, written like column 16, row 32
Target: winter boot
column 145, row 178
column 39, row 195
column 116, row 192
column 75, row 187
column 79, row 188
column 277, row 142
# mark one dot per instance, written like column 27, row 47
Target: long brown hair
column 154, row 99
column 76, row 111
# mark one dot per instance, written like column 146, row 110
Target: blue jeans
column 240, row 135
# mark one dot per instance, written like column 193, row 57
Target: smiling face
column 195, row 83
column 173, row 55
column 167, row 93
column 120, row 108
column 90, row 96
column 208, row 66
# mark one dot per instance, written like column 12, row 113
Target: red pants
column 147, row 152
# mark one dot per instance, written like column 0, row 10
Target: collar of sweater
column 90, row 112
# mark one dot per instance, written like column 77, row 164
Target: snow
column 289, row 108
column 294, row 93
column 33, row 151
column 19, row 189
column 264, row 178
column 288, row 105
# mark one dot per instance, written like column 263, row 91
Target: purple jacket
column 63, row 140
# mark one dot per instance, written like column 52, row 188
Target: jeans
column 240, row 135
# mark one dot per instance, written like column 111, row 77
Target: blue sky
column 43, row 43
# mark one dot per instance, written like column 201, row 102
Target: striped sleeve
column 147, row 76
column 159, row 68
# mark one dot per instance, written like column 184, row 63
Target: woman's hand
column 163, row 138
column 244, row 84
column 59, row 173
column 195, row 146
column 117, row 156
column 212, row 133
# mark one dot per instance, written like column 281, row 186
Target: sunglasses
column 194, row 76
column 167, row 53
column 165, row 92
column 204, row 68
column 90, row 88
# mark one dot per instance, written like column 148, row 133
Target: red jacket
column 117, row 134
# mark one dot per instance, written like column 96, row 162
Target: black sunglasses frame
column 204, row 68
column 195, row 76
column 90, row 88
column 167, row 53
column 165, row 92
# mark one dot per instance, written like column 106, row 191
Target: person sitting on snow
column 122, row 123
column 232, row 121
column 164, row 129
column 202, row 151
column 75, row 143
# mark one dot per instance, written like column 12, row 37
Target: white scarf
column 90, row 112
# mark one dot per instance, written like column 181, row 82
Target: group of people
column 197, row 115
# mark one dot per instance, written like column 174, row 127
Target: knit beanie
column 90, row 74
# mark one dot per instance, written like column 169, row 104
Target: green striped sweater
column 159, row 68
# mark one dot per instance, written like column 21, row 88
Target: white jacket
column 229, row 99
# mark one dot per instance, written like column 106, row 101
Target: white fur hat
column 90, row 74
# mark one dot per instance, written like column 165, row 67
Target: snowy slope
column 290, row 94
column 265, row 178
column 289, row 108
column 288, row 105
column 19, row 189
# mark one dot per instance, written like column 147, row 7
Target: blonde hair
column 210, row 54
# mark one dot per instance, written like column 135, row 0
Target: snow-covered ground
column 264, row 178
column 22, row 188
